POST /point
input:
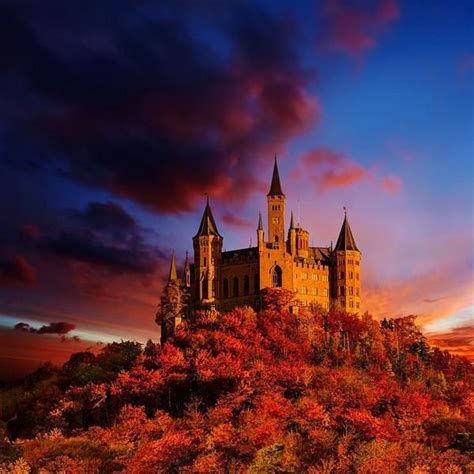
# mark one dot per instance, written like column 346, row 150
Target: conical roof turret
column 208, row 224
column 275, row 187
column 346, row 239
column 173, row 275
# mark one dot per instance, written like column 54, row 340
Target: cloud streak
column 328, row 169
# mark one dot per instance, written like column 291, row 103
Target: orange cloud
column 459, row 341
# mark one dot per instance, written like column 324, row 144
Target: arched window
column 225, row 288
column 246, row 285
column 236, row 287
column 205, row 288
column 276, row 277
column 256, row 284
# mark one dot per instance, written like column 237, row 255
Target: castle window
column 304, row 290
column 256, row 284
column 357, row 276
column 357, row 291
column 212, row 260
column 304, row 276
column 205, row 288
column 341, row 275
column 341, row 291
column 315, row 292
column 351, row 304
column 226, row 288
column 351, row 291
column 276, row 277
column 357, row 262
column 325, row 292
column 213, row 287
column 351, row 275
column 357, row 305
column 236, row 287
column 246, row 285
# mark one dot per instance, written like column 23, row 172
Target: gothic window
column 256, row 284
column 246, row 285
column 341, row 291
column 236, row 286
column 225, row 288
column 341, row 275
column 205, row 261
column 276, row 277
column 205, row 289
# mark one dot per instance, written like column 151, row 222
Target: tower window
column 256, row 284
column 246, row 285
column 351, row 275
column 225, row 285
column 277, row 277
column 341, row 291
column 205, row 288
column 341, row 275
column 205, row 261
column 236, row 286
column 213, row 287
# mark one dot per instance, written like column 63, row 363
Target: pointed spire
column 208, row 224
column 260, row 223
column 275, row 187
column 292, row 225
column 173, row 276
column 346, row 240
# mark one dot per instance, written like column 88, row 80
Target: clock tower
column 276, row 211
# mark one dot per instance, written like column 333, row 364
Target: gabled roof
column 275, row 187
column 208, row 224
column 346, row 240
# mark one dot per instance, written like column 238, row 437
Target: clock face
column 276, row 220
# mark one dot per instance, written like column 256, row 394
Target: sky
column 117, row 118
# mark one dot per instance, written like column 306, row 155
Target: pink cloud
column 353, row 28
column 328, row 169
column 391, row 184
column 234, row 220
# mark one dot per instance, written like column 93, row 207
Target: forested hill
column 253, row 392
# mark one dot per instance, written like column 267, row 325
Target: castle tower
column 347, row 267
column 276, row 211
column 302, row 242
column 207, row 257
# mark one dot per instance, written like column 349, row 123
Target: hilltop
column 323, row 392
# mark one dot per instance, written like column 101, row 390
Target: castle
column 217, row 280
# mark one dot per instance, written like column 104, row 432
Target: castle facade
column 218, row 280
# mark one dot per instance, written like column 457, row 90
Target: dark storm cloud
column 144, row 101
column 86, row 247
column 60, row 328
column 103, row 234
column 16, row 270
